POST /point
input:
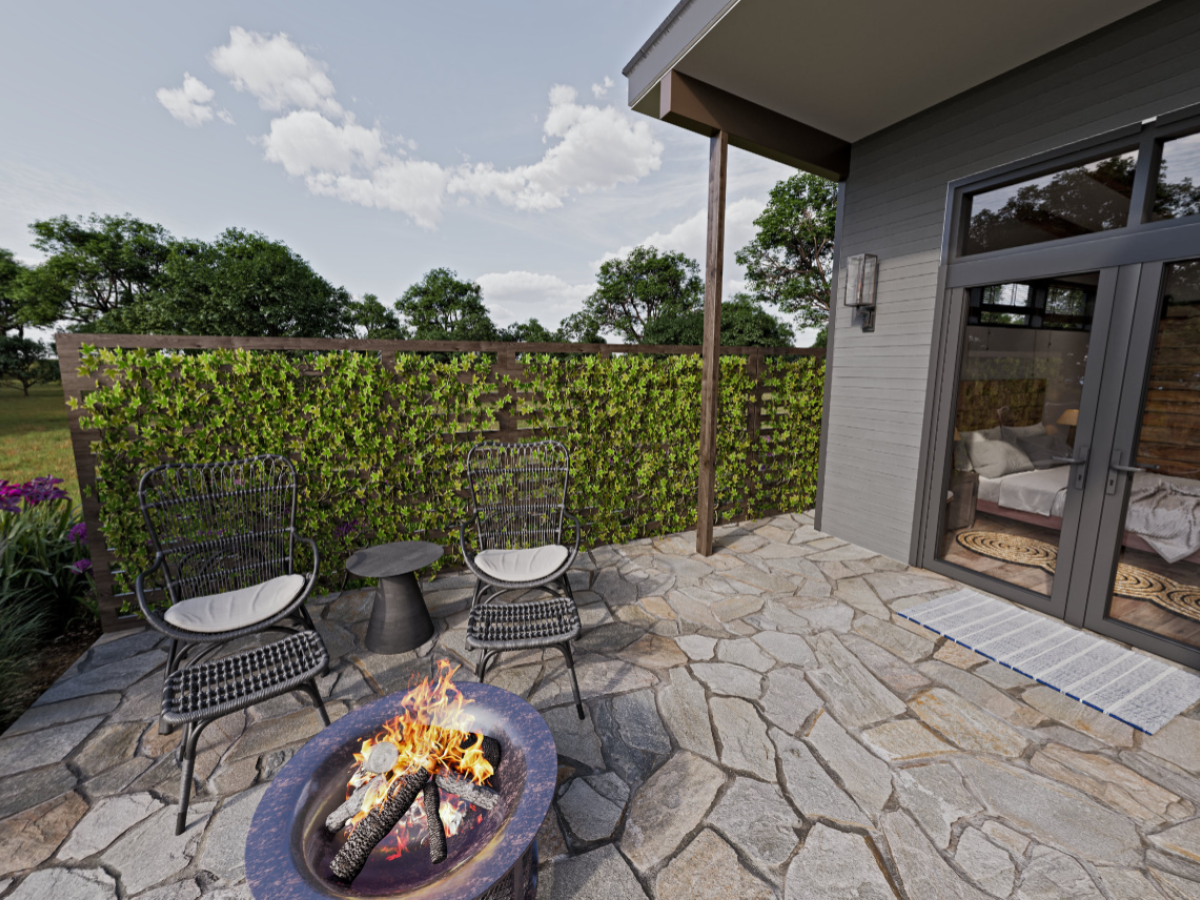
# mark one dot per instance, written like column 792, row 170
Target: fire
column 434, row 733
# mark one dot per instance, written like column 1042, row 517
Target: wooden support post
column 718, row 154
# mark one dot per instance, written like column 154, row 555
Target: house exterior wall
column 895, row 204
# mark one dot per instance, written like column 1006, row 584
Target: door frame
column 1091, row 601
column 1128, row 254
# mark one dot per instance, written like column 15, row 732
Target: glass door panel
column 1017, row 422
column 1156, row 583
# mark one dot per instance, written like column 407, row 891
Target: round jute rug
column 1131, row 581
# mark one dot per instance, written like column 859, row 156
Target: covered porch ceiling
column 841, row 70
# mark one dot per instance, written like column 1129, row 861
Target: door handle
column 1079, row 461
column 1115, row 468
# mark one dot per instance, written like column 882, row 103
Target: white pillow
column 995, row 459
column 974, row 437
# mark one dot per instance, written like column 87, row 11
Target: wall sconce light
column 861, row 278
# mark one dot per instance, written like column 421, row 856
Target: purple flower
column 78, row 532
column 82, row 565
column 346, row 527
column 10, row 497
column 42, row 490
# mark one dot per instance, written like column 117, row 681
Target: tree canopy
column 631, row 293
column 374, row 320
column 12, row 316
column 96, row 269
column 24, row 363
column 744, row 323
column 789, row 263
column 243, row 283
column 441, row 307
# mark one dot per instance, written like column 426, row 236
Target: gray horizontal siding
column 1143, row 66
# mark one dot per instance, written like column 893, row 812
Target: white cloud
column 599, row 148
column 599, row 90
column 191, row 104
column 518, row 296
column 589, row 148
column 305, row 141
column 277, row 73
column 691, row 235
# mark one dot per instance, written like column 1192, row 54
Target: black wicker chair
column 519, row 495
column 224, row 539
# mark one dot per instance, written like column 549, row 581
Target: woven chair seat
column 517, row 626
column 222, row 686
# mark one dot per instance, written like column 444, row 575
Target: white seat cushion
column 235, row 609
column 522, row 565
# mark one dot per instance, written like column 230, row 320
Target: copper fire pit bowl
column 288, row 848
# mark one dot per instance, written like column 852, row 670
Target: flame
column 429, row 733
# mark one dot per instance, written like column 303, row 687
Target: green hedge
column 380, row 447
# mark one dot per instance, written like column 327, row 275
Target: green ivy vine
column 380, row 443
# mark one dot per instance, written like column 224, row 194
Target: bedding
column 1163, row 510
column 995, row 459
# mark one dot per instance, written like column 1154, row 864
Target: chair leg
column 310, row 688
column 565, row 647
column 191, row 736
column 481, row 667
column 172, row 660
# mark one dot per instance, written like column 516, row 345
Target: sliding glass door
column 1063, row 454
column 1145, row 581
column 1023, row 414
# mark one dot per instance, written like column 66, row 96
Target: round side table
column 399, row 619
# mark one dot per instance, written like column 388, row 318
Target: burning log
column 432, row 801
column 490, row 748
column 376, row 826
column 338, row 818
column 477, row 794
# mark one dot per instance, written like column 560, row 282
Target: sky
column 378, row 140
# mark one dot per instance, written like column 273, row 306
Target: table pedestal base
column 399, row 619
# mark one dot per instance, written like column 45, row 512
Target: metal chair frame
column 217, row 527
column 519, row 495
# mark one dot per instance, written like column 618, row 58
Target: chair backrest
column 221, row 526
column 519, row 492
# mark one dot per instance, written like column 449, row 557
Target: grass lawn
column 34, row 439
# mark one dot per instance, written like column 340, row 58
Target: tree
column 12, row 315
column 790, row 261
column 580, row 328
column 25, row 362
column 632, row 292
column 744, row 323
column 531, row 332
column 96, row 270
column 243, row 283
column 440, row 307
column 377, row 321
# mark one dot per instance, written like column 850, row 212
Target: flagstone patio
column 760, row 725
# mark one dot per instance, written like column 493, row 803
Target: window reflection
column 1080, row 200
column 1178, row 191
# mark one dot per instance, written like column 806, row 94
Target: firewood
column 376, row 826
column 338, row 818
column 477, row 794
column 431, row 799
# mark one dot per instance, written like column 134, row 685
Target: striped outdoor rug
column 1132, row 687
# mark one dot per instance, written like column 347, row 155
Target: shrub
column 43, row 551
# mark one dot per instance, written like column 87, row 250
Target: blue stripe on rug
column 1130, row 686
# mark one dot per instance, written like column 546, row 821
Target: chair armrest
column 153, row 619
column 311, row 580
column 578, row 532
column 467, row 553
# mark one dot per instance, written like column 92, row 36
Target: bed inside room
column 1015, row 420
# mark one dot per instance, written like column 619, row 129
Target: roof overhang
column 838, row 72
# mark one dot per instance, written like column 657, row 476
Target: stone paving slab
column 761, row 724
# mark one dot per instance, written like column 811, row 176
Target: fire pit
column 492, row 786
